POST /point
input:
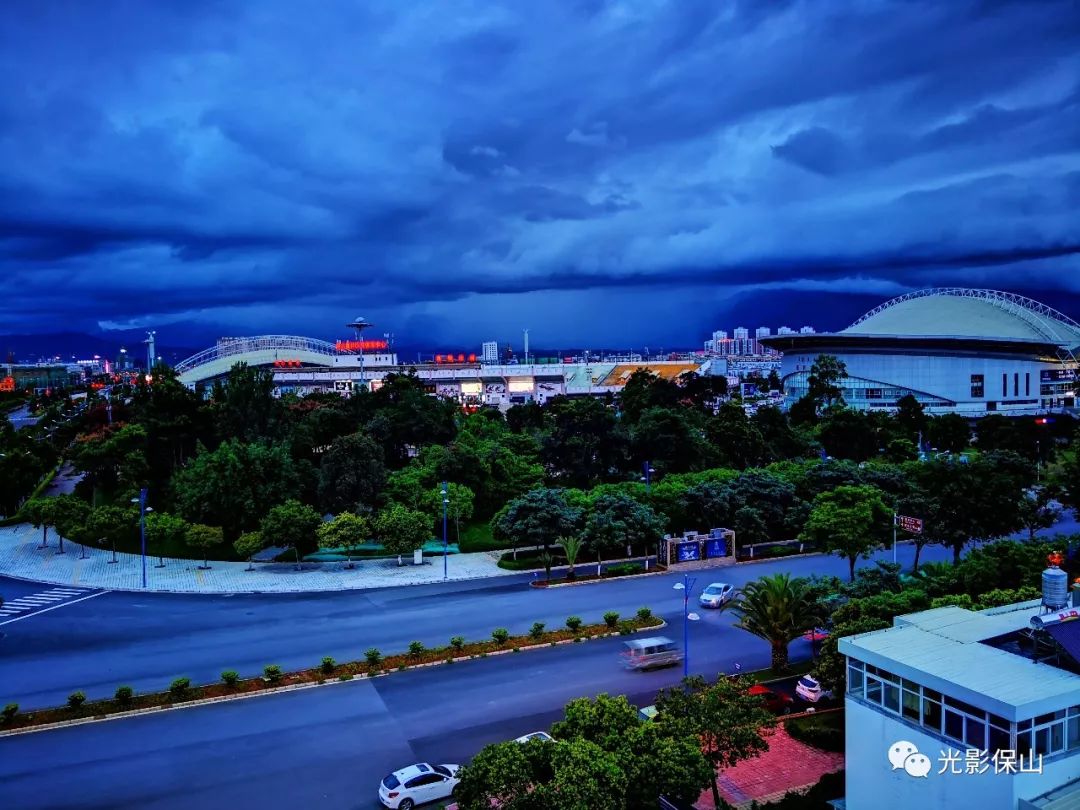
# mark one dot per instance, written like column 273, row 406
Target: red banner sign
column 909, row 524
column 360, row 345
column 455, row 358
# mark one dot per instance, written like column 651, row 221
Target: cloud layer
column 604, row 172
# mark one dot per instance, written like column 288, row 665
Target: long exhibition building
column 955, row 350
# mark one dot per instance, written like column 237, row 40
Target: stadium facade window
column 978, row 386
column 1016, row 383
column 1004, row 384
column 1027, row 383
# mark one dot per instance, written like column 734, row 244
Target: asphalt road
column 145, row 641
column 330, row 746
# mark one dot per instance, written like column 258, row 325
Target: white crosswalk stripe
column 54, row 597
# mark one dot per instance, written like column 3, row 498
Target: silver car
column 716, row 594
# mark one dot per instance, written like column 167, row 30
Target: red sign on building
column 346, row 346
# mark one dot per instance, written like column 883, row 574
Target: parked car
column 646, row 653
column 775, row 702
column 534, row 735
column 809, row 689
column 418, row 784
column 816, row 635
column 716, row 594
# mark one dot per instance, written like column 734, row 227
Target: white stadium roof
column 960, row 312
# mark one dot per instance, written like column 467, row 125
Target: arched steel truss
column 1056, row 327
column 236, row 346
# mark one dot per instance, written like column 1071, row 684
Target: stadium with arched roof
column 954, row 349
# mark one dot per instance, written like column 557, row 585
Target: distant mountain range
column 82, row 346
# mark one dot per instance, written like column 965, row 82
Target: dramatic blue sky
column 601, row 172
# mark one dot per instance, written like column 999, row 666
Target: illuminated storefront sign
column 287, row 364
column 473, row 388
column 450, row 357
column 520, row 386
column 347, row 346
column 7, row 384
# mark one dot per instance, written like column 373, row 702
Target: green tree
column 402, row 530
column 847, row 433
column 949, row 432
column 850, row 521
column 459, row 507
column 672, row 439
column 500, row 775
column 618, row 520
column 165, row 533
column 248, row 545
column 245, row 406
column 571, row 546
column 644, row 390
column 69, row 516
column 110, row 525
column 293, row 525
column 723, row 716
column 41, row 512
column 823, row 382
column 1038, row 510
column 831, row 669
column 236, row 484
column 737, row 440
column 204, row 537
column 351, row 474
column 603, row 720
column 910, row 417
column 537, row 518
column 347, row 531
column 776, row 609
column 583, row 443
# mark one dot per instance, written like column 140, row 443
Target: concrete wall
column 872, row 784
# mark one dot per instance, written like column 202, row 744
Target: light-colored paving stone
column 21, row 556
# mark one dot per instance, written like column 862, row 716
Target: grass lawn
column 477, row 537
column 824, row 731
column 765, row 675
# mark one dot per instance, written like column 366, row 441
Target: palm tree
column 571, row 546
column 777, row 609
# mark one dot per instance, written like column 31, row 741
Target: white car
column 534, row 735
column 809, row 689
column 716, row 594
column 418, row 784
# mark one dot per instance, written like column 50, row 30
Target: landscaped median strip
column 181, row 694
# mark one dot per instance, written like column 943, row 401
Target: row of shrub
column 373, row 663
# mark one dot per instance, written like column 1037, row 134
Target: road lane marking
column 53, row 607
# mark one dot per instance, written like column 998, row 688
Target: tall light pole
column 360, row 324
column 445, row 504
column 647, row 469
column 687, row 587
column 143, row 509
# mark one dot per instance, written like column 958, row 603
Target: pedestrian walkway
column 788, row 765
column 22, row 557
column 36, row 601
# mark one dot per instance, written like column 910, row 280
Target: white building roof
column 942, row 649
column 958, row 312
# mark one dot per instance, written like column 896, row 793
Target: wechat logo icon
column 904, row 754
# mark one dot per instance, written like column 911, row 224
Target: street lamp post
column 143, row 509
column 647, row 470
column 360, row 324
column 445, row 504
column 687, row 587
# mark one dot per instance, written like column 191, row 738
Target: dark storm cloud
column 465, row 167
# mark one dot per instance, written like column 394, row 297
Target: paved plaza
column 21, row 556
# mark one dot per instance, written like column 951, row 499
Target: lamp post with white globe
column 687, row 587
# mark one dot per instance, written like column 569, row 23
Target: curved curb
column 537, row 584
column 298, row 592
column 294, row 687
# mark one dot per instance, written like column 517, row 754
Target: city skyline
column 601, row 173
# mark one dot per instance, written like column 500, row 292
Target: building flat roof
column 942, row 648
